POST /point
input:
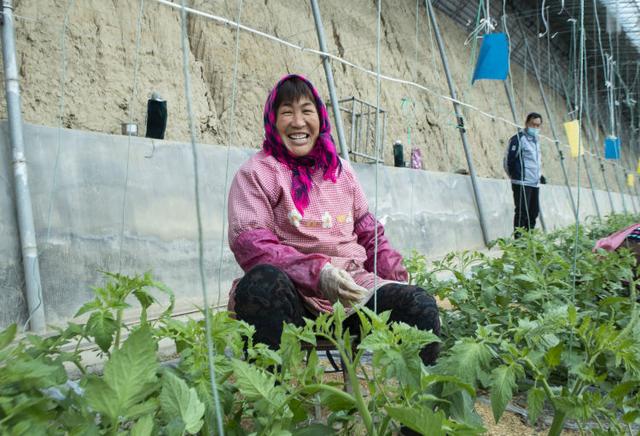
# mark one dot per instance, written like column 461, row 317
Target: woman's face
column 298, row 124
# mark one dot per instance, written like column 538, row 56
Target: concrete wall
column 431, row 212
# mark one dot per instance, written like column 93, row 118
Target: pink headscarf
column 322, row 156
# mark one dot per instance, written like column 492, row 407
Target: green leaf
column 429, row 379
column 8, row 335
column 133, row 366
column 622, row 389
column 553, row 356
column 424, row 421
column 525, row 281
column 29, row 428
column 252, row 383
column 72, row 330
column 279, row 432
column 378, row 340
column 102, row 326
column 338, row 317
column 129, row 376
column 144, row 298
column 148, row 407
column 102, row 398
column 333, row 398
column 88, row 307
column 34, row 373
column 263, row 356
column 179, row 400
column 336, row 402
column 503, row 381
column 609, row 301
column 467, row 360
column 631, row 417
column 535, row 402
column 144, row 426
column 314, row 430
column 175, row 427
column 365, row 324
column 172, row 299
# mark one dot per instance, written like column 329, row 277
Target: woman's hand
column 337, row 284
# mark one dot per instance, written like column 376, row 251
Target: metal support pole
column 626, row 175
column 460, row 119
column 595, row 138
column 359, row 135
column 23, row 197
column 384, row 134
column 593, row 191
column 367, row 131
column 624, row 203
column 631, row 196
column 512, row 106
column 552, row 123
column 600, row 161
column 330, row 83
column 353, row 123
column 604, row 176
column 628, row 161
column 621, row 190
column 563, row 84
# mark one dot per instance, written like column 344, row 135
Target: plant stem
column 577, row 388
column 364, row 411
column 119, row 324
column 558, row 416
column 385, row 424
column 602, row 427
column 80, row 367
column 75, row 350
column 558, row 423
column 355, row 385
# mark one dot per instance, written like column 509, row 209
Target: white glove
column 337, row 284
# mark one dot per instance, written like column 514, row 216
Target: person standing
column 523, row 163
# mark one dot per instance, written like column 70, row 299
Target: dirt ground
column 510, row 424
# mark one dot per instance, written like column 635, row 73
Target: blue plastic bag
column 612, row 147
column 493, row 60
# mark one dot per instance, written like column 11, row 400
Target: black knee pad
column 264, row 270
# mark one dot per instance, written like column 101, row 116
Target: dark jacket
column 522, row 160
column 513, row 164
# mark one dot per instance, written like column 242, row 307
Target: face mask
column 533, row 131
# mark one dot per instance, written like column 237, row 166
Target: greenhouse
column 287, row 217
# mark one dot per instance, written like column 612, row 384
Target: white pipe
column 23, row 197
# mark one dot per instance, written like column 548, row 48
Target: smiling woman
column 297, row 120
column 300, row 228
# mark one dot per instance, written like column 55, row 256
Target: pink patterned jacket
column 266, row 228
